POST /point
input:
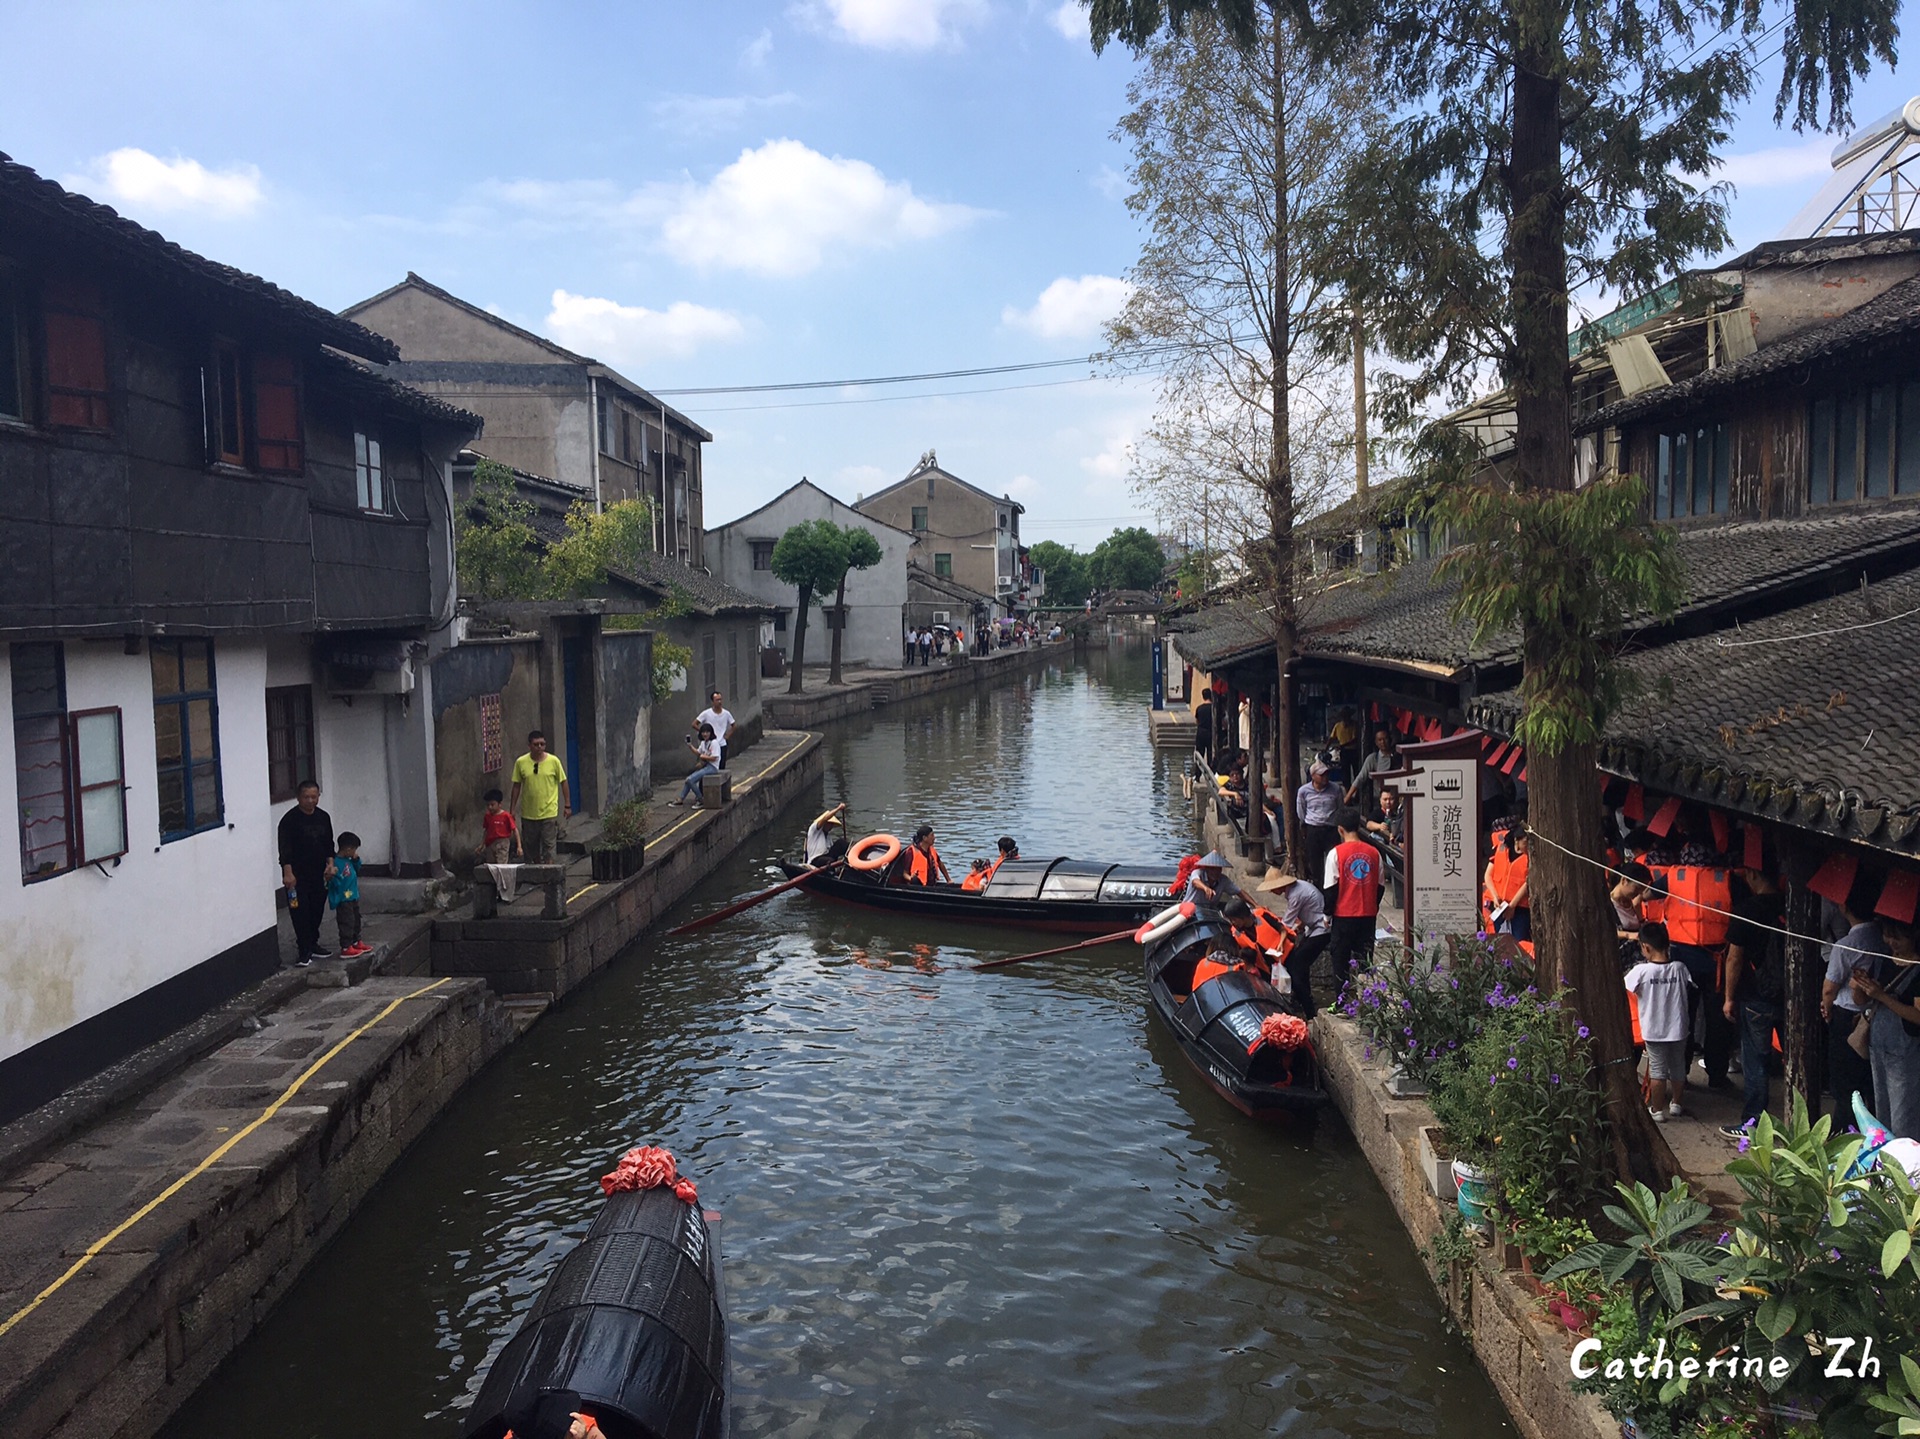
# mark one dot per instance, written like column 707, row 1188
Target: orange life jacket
column 976, row 881
column 1210, row 968
column 1270, row 933
column 1654, row 906
column 1689, row 888
column 922, row 865
column 1506, row 874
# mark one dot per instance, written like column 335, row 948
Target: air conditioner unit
column 940, row 617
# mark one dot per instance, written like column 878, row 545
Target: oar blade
column 1113, row 938
column 742, row 905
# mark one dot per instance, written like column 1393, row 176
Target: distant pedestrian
column 540, row 797
column 497, row 830
column 706, row 749
column 306, row 864
column 721, row 718
column 343, row 893
column 1895, row 1038
column 1664, row 991
column 1316, row 802
column 926, row 647
column 1841, row 1006
column 1353, row 876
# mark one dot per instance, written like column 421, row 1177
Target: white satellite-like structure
column 1875, row 185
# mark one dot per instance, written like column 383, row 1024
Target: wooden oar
column 751, row 900
column 1113, row 938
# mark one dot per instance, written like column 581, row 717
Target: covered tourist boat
column 1074, row 895
column 631, row 1330
column 1247, row 1039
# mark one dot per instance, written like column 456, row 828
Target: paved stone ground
column 152, row 1305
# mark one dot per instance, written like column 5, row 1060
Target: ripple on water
column 955, row 1203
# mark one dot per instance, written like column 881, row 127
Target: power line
column 886, row 399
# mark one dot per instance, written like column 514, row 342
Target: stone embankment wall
column 818, row 707
column 1523, row 1351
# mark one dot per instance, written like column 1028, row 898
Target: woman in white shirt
column 706, row 749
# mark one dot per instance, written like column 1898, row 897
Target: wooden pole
column 1359, row 404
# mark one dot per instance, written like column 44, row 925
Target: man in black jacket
column 306, row 864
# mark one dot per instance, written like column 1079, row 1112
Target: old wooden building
column 227, row 561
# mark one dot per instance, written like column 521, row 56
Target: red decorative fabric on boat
column 648, row 1168
column 1184, row 873
column 1282, row 1031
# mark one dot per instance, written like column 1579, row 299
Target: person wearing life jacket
column 1304, row 923
column 983, row 872
column 1354, row 872
column 1248, row 937
column 920, row 862
column 1223, row 957
column 1506, row 895
column 1699, row 910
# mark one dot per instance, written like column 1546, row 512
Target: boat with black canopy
column 1247, row 1039
column 1072, row 895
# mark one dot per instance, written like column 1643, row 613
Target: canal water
column 954, row 1203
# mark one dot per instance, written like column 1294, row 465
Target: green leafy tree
column 812, row 557
column 1128, row 559
column 1065, row 570
column 496, row 551
column 863, row 553
column 1542, row 149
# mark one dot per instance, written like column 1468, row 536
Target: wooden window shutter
column 276, row 415
column 76, row 355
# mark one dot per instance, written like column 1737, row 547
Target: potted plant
column 620, row 851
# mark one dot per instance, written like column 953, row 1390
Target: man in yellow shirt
column 542, row 780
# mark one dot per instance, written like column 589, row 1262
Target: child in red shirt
column 499, row 836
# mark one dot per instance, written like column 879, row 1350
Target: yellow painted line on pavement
column 578, row 892
column 777, row 761
column 99, row 1245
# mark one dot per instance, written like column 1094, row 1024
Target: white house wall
column 876, row 597
column 77, row 944
column 350, row 754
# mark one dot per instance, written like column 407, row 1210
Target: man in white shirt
column 721, row 718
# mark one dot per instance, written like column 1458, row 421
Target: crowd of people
column 923, row 644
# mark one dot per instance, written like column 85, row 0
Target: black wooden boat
column 631, row 1329
column 1218, row 1027
column 1076, row 895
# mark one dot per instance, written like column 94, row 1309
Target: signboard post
column 1160, row 676
column 1441, row 789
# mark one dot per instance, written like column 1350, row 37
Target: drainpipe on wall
column 593, row 435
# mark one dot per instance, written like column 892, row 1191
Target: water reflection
column 956, row 1203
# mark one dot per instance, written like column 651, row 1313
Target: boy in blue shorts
column 343, row 892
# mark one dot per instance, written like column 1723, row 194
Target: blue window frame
column 186, row 735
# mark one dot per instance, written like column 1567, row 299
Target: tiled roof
column 30, row 200
column 1887, row 320
column 1810, row 717
column 366, row 379
column 1404, row 614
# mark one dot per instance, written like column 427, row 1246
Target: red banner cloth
column 1901, row 896
column 1722, row 831
column 1662, row 821
column 1834, row 879
column 1755, row 855
column 1635, row 805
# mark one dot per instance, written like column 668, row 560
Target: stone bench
column 551, row 879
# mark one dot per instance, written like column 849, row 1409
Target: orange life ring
column 889, row 852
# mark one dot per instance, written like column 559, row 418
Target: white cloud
column 1070, row 19
column 1071, row 309
column 1110, row 182
column 1780, row 165
column 857, row 480
column 1115, row 460
column 892, row 24
column 633, row 336
column 133, row 177
column 755, row 55
column 1021, row 485
column 709, row 114
column 780, row 209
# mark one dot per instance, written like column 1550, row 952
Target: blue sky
column 699, row 194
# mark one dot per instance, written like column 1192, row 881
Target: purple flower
column 1746, row 1143
column 1556, row 1079
column 1725, row 1235
column 1493, row 1079
column 1513, row 1064
column 1584, row 1031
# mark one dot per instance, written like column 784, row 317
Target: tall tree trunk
column 1280, row 464
column 800, row 638
column 1803, row 1032
column 837, row 625
column 1572, row 925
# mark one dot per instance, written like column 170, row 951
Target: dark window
column 369, row 475
column 943, row 565
column 76, row 357
column 1003, row 519
column 709, row 663
column 100, row 784
column 762, row 554
column 920, row 515
column 40, row 759
column 1864, row 445
column 226, row 426
column 186, row 736
column 780, row 623
column 13, row 352
column 929, row 484
column 1693, row 472
column 289, row 740
column 278, row 446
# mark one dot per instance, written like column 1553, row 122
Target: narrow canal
column 955, row 1203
